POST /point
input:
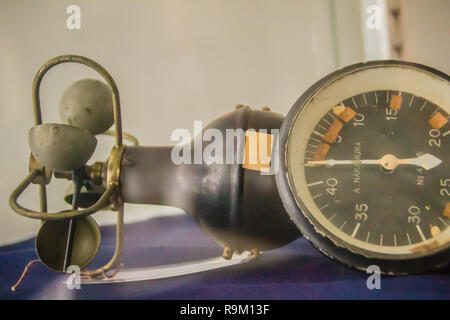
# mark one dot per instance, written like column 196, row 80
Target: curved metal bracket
column 126, row 136
column 118, row 251
column 65, row 214
column 38, row 173
column 167, row 271
column 87, row 62
column 114, row 163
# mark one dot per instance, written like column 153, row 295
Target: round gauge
column 364, row 166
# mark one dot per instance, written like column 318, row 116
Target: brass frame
column 37, row 172
column 126, row 136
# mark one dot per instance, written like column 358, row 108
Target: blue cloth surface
column 296, row 271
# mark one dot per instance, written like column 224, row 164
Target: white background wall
column 176, row 61
column 427, row 32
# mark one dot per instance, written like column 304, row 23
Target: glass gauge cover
column 365, row 170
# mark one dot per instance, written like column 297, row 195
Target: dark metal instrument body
column 237, row 207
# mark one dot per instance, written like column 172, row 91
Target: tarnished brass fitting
column 94, row 172
column 62, row 174
column 46, row 174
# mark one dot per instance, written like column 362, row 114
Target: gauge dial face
column 381, row 205
column 369, row 165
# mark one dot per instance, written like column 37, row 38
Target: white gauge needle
column 388, row 161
